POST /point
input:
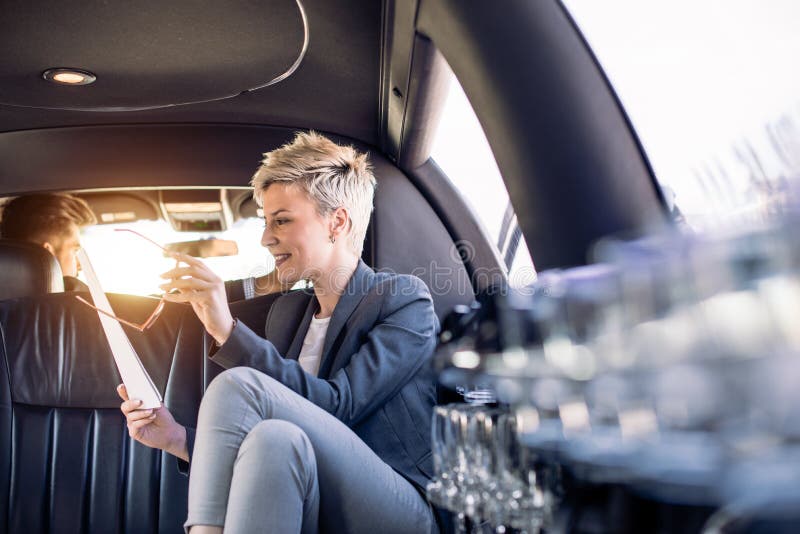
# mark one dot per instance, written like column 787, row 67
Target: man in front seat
column 52, row 221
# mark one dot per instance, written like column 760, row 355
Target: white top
column 311, row 353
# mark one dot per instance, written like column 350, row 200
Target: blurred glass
column 668, row 367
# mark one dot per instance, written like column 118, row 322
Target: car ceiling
column 162, row 54
column 371, row 75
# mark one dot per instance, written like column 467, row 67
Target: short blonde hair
column 333, row 176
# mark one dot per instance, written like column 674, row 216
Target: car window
column 713, row 94
column 128, row 264
column 461, row 150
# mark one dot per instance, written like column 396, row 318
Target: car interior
column 184, row 101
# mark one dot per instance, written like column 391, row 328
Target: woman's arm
column 397, row 345
column 205, row 291
column 394, row 349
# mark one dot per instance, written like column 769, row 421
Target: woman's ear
column 340, row 222
column 50, row 248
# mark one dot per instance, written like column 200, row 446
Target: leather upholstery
column 406, row 236
column 66, row 461
column 27, row 269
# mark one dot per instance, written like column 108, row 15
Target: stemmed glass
column 482, row 471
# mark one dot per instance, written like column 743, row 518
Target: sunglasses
column 150, row 321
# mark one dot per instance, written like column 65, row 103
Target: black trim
column 573, row 167
column 460, row 222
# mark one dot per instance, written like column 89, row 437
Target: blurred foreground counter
column 654, row 390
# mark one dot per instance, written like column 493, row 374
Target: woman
column 324, row 425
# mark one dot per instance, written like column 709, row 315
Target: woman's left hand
column 204, row 290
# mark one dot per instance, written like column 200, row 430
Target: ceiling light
column 69, row 76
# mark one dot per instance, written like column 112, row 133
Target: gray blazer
column 375, row 374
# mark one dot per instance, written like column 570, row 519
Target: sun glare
column 128, row 264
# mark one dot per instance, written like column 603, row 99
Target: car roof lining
column 359, row 59
column 241, row 44
column 138, row 156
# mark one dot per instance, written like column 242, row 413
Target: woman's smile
column 280, row 259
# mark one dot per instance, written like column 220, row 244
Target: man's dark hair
column 41, row 218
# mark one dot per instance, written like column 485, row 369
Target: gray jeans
column 268, row 460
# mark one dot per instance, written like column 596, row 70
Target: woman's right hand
column 204, row 290
column 155, row 428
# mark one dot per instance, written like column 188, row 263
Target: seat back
column 27, row 270
column 407, row 236
column 67, row 463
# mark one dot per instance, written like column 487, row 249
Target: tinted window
column 462, row 152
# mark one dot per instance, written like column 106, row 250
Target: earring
column 333, row 239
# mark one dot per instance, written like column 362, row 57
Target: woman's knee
column 281, row 443
column 280, row 438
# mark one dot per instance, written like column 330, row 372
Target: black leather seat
column 407, row 236
column 26, row 270
column 66, row 461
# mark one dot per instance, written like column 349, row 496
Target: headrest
column 27, row 270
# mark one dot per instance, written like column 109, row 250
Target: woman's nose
column 267, row 238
